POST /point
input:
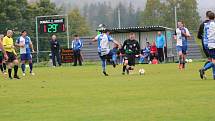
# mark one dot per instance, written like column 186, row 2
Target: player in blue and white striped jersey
column 209, row 35
column 26, row 47
column 104, row 50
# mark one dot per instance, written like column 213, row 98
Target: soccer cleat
column 202, row 74
column 123, row 73
column 16, row 77
column 10, row 78
column 105, row 73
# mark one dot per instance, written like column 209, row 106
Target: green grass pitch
column 83, row 94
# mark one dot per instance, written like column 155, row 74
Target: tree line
column 19, row 14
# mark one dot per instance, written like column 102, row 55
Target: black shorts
column 11, row 56
column 131, row 59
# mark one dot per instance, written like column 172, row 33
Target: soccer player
column 2, row 55
column 104, row 50
column 26, row 46
column 181, row 35
column 131, row 50
column 203, row 36
column 77, row 45
column 209, row 33
column 11, row 54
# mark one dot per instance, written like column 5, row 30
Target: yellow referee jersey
column 8, row 43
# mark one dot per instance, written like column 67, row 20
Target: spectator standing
column 77, row 45
column 160, row 43
column 55, row 50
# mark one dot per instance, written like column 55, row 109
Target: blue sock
column 23, row 68
column 208, row 66
column 31, row 67
column 103, row 65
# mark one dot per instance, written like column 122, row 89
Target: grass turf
column 84, row 94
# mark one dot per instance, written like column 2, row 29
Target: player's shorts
column 108, row 56
column 212, row 53
column 206, row 51
column 11, row 57
column 131, row 59
column 182, row 49
column 26, row 57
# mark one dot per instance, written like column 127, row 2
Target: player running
column 131, row 50
column 26, row 46
column 181, row 36
column 12, row 60
column 203, row 36
column 209, row 35
column 104, row 50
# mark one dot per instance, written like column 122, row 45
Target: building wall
column 144, row 37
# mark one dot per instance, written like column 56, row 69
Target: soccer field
column 84, row 94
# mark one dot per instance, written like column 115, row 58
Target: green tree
column 78, row 24
column 153, row 13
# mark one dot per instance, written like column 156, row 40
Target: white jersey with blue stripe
column 104, row 43
column 26, row 42
column 181, row 39
column 209, row 34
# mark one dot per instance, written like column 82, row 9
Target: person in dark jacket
column 77, row 45
column 55, row 50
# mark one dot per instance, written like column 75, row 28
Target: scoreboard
column 51, row 25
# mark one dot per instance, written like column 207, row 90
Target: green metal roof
column 139, row 29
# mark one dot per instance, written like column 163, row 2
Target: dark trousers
column 54, row 56
column 77, row 57
column 160, row 54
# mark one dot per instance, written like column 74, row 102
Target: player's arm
column 116, row 42
column 95, row 38
column 201, row 31
column 32, row 47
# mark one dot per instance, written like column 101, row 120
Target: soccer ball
column 190, row 60
column 141, row 71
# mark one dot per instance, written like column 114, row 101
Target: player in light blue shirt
column 26, row 47
column 104, row 50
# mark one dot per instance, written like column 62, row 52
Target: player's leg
column 131, row 62
column 103, row 60
column 16, row 67
column 180, row 55
column 125, row 64
column 9, row 64
column 30, row 61
column 23, row 61
column 184, row 52
column 4, row 66
column 1, row 64
column 208, row 65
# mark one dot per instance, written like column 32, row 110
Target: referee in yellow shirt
column 12, row 56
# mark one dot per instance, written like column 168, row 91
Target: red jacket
column 153, row 49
